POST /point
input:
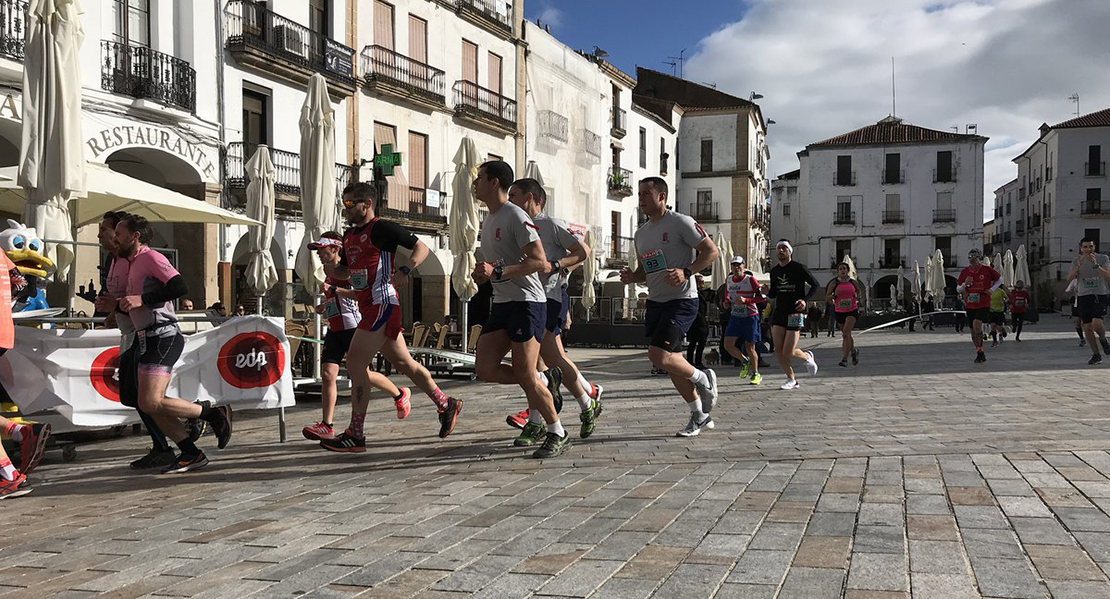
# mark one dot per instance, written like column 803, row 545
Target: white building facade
column 887, row 194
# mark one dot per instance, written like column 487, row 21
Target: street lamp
column 771, row 122
column 754, row 96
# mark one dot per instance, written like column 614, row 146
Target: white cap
column 737, row 259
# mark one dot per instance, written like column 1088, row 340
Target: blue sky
column 634, row 32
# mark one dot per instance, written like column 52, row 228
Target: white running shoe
column 708, row 394
column 811, row 364
column 791, row 384
column 693, row 428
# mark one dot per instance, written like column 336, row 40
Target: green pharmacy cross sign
column 387, row 160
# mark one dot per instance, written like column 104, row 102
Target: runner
column 152, row 286
column 976, row 283
column 1019, row 301
column 788, row 288
column 564, row 252
column 999, row 299
column 1091, row 270
column 843, row 294
column 743, row 322
column 670, row 248
column 340, row 306
column 114, row 286
column 367, row 261
column 515, row 255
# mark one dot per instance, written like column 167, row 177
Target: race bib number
column 845, row 304
column 653, row 261
column 795, row 321
column 1019, row 303
column 359, row 278
column 973, row 298
column 331, row 308
column 1090, row 283
column 739, row 310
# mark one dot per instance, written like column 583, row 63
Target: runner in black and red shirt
column 368, row 262
column 1019, row 303
column 976, row 283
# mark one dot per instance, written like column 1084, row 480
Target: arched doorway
column 881, row 292
column 274, row 301
column 10, row 135
column 429, row 297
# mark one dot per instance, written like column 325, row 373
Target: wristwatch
column 555, row 266
column 405, row 270
column 497, row 270
column 689, row 273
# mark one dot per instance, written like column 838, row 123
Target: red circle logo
column 251, row 360
column 104, row 374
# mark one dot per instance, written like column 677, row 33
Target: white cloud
column 549, row 15
column 824, row 68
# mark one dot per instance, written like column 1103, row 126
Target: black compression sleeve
column 173, row 289
column 811, row 281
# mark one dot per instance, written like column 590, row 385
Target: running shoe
column 186, row 463
column 811, row 364
column 994, row 343
column 155, row 458
column 1105, row 345
column 980, row 357
column 554, row 383
column 448, row 416
column 195, row 428
column 855, row 356
column 403, row 405
column 589, row 417
column 344, row 442
column 1082, row 342
column 693, row 428
column 1095, row 359
column 843, row 363
column 530, row 435
column 519, row 419
column 708, row 392
column 222, row 426
column 756, row 379
column 744, row 369
column 791, row 384
column 33, row 446
column 318, row 432
column 17, row 487
column 553, row 446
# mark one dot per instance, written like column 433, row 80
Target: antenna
column 893, row 92
column 678, row 61
column 1075, row 98
column 674, row 66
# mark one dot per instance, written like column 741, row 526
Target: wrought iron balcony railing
column 13, row 28
column 944, row 176
column 382, row 64
column 621, row 249
column 471, row 97
column 589, row 142
column 704, row 211
column 1094, row 169
column 844, row 217
column 553, row 125
column 894, row 216
column 944, row 216
column 497, row 13
column 620, row 181
column 287, row 169
column 141, row 72
column 844, row 179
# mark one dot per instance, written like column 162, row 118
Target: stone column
column 437, row 294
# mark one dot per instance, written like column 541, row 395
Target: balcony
column 588, row 145
column 387, row 72
column 287, row 173
column 484, row 107
column 1094, row 169
column 622, row 250
column 663, row 164
column 417, row 214
column 276, row 46
column 620, row 122
column 1095, row 208
column 554, row 126
column 844, row 179
column 147, row 74
column 1019, row 228
column 944, row 216
column 892, row 261
column 13, row 28
column 494, row 16
column 620, row 182
column 894, row 177
column 844, row 217
column 894, row 217
column 944, row 176
column 704, row 211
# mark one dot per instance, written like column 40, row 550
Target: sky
column 824, row 66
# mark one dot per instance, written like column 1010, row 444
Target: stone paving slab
column 915, row 474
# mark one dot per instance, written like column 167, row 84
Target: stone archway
column 10, row 136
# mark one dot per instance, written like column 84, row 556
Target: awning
column 109, row 190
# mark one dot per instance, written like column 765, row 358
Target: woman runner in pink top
column 844, row 293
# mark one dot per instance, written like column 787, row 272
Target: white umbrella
column 318, row 193
column 1021, row 270
column 721, row 266
column 261, row 274
column 997, row 262
column 939, row 283
column 985, row 261
column 462, row 227
column 901, row 277
column 1008, row 269
column 915, row 284
column 51, row 157
column 589, row 274
column 851, row 265
column 893, row 296
column 532, row 171
column 930, row 291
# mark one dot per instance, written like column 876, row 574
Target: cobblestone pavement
column 916, row 473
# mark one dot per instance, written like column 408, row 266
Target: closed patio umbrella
column 261, row 273
column 319, row 200
column 462, row 227
column 940, row 284
column 721, row 266
column 928, row 282
column 1021, row 269
column 1008, row 269
column 589, row 274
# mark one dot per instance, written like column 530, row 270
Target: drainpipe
column 220, row 69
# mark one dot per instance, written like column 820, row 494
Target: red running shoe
column 318, row 432
column 404, row 406
column 448, row 416
column 33, row 446
column 15, row 487
column 518, row 420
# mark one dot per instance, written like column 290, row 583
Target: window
column 843, row 248
column 495, row 73
column 706, row 155
column 615, row 234
column 704, row 209
column 131, row 22
column 944, row 200
column 1094, row 235
column 418, row 44
column 383, row 25
column 786, row 209
column 944, row 244
column 319, row 22
column 616, row 159
column 1048, row 168
column 892, row 254
column 256, row 121
column 470, row 62
column 893, row 202
column 1094, row 161
column 662, row 156
column 843, row 209
column 893, row 171
column 1094, row 200
column 944, row 167
column 397, row 187
column 643, row 147
column 418, row 160
column 844, row 174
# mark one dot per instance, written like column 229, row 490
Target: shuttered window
column 383, row 24
column 494, row 73
column 418, row 39
column 470, row 61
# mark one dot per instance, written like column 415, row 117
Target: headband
column 786, row 244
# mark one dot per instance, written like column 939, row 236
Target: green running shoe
column 744, row 369
column 756, row 379
column 530, row 435
column 589, row 417
column 553, row 446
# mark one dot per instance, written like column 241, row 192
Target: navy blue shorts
column 523, row 321
column 746, row 328
column 668, row 322
column 557, row 314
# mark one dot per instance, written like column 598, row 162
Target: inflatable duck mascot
column 25, row 249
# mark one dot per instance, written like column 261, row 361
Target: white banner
column 244, row 362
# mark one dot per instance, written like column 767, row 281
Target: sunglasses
column 352, row 203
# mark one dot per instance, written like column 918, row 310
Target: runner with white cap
column 788, row 288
